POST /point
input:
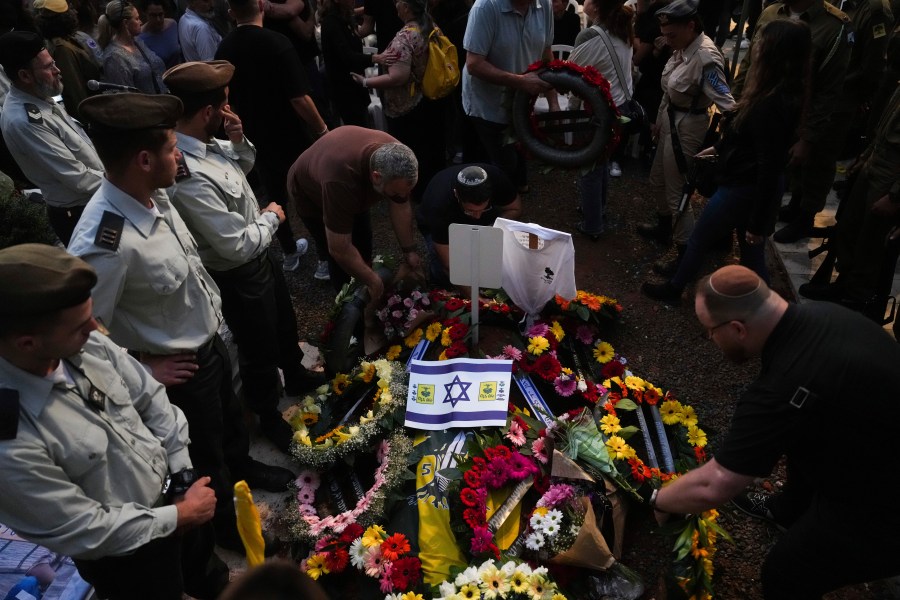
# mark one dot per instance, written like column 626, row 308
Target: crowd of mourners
column 170, row 143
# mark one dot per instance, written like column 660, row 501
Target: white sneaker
column 745, row 43
column 322, row 273
column 614, row 169
column 291, row 262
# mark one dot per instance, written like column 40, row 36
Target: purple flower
column 564, row 385
column 556, row 495
column 585, row 335
column 538, row 330
column 408, row 303
column 397, row 314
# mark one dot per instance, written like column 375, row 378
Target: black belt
column 691, row 111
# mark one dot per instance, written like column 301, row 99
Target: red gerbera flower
column 336, row 560
column 458, row 332
column 474, row 518
column 353, row 531
column 394, row 547
column 612, row 369
column 547, row 367
column 473, row 478
column 453, row 304
column 456, row 349
column 406, row 572
column 470, row 497
column 700, row 453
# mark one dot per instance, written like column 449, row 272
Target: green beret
column 17, row 49
column 679, row 11
column 198, row 77
column 37, row 279
column 130, row 112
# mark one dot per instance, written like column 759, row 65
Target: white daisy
column 470, row 575
column 550, row 529
column 447, row 589
column 555, row 516
column 537, row 521
column 535, row 541
column 358, row 554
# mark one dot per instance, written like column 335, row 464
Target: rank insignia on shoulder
column 878, row 31
column 109, row 231
column 9, row 413
column 183, row 172
column 34, row 114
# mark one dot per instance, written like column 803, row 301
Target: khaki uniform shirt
column 694, row 78
column 52, row 151
column 83, row 481
column 152, row 290
column 831, row 55
column 872, row 22
column 215, row 200
column 882, row 157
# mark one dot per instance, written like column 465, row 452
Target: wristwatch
column 179, row 483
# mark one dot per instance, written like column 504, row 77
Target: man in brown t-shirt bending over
column 335, row 182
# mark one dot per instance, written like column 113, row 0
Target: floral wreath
column 306, row 525
column 318, row 444
column 491, row 579
column 588, row 84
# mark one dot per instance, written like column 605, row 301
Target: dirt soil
column 663, row 344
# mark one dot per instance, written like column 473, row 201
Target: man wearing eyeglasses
column 474, row 194
column 90, row 445
column 52, row 150
column 826, row 398
column 335, row 183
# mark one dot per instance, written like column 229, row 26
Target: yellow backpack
column 442, row 70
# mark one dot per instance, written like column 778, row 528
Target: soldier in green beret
column 89, row 443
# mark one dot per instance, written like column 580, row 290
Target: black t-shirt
column 847, row 430
column 440, row 208
column 566, row 28
column 307, row 50
column 646, row 29
column 267, row 75
column 387, row 23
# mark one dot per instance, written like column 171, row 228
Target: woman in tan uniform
column 692, row 81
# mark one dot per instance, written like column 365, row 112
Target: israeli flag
column 460, row 392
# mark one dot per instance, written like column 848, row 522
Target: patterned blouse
column 138, row 69
column 412, row 49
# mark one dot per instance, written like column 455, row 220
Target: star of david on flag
column 461, row 392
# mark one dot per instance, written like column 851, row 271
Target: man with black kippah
column 820, row 362
column 233, row 235
column 155, row 295
column 473, row 194
column 52, row 150
column 90, row 445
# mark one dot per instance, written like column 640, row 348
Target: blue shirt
column 26, row 589
column 508, row 40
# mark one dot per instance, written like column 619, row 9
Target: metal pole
column 474, row 269
column 742, row 20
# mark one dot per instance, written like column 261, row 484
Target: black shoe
column 667, row 268
column 266, row 477
column 756, row 505
column 277, row 431
column 794, row 231
column 302, row 380
column 661, row 231
column 579, row 227
column 664, row 292
column 788, row 213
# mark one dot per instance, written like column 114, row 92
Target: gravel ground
column 663, row 344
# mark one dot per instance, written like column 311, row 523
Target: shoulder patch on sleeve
column 183, row 172
column 878, row 31
column 9, row 413
column 34, row 113
column 715, row 82
column 109, row 231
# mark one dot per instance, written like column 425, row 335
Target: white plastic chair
column 561, row 51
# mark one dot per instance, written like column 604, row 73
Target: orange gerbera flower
column 394, row 547
column 562, row 302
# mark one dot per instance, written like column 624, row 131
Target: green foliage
column 21, row 221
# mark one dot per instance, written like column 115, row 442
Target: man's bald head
column 734, row 293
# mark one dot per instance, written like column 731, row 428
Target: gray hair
column 395, row 161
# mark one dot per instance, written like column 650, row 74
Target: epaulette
column 34, row 113
column 109, row 231
column 183, row 172
column 837, row 13
column 9, row 413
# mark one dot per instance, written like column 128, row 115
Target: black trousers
column 362, row 241
column 63, row 221
column 259, row 312
column 220, row 443
column 273, row 169
column 422, row 130
column 491, row 136
column 161, row 570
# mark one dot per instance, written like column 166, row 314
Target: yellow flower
column 469, row 591
column 302, row 437
column 315, row 566
column 412, row 596
column 518, row 582
column 558, row 596
column 635, row 383
column 339, row 384
column 341, row 436
column 413, row 338
column 696, row 436
column 537, row 345
column 368, row 372
column 617, row 447
column 557, row 330
column 541, row 510
column 309, row 418
column 630, row 453
column 446, row 340
column 433, row 331
column 442, row 355
column 393, row 352
column 373, row 536
column 537, row 587
column 710, row 515
column 493, row 582
column 688, row 416
column 567, row 370
column 603, row 352
column 610, row 424
column 671, row 412
column 708, row 567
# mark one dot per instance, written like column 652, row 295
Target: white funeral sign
column 460, row 392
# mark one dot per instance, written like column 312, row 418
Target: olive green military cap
column 38, row 279
column 197, row 77
column 131, row 112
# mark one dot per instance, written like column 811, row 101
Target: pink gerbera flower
column 516, row 434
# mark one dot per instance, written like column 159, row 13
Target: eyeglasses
column 708, row 334
column 476, row 212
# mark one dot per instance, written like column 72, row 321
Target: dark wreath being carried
column 594, row 127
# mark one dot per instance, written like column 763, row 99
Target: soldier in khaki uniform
column 814, row 154
column 692, row 81
column 862, row 231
